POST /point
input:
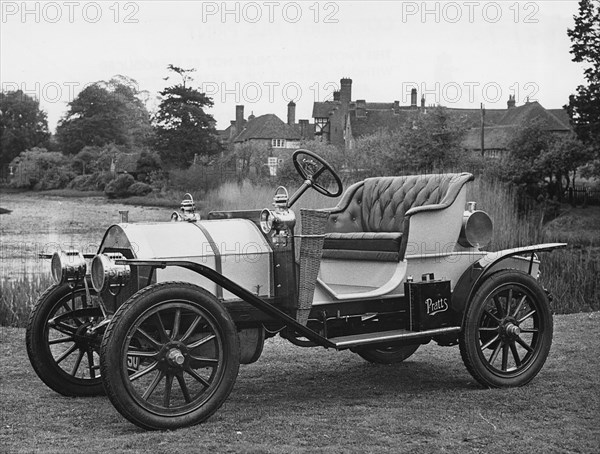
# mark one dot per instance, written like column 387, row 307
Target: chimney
column 413, row 97
column 304, row 129
column 233, row 130
column 361, row 108
column 422, row 101
column 336, row 95
column 239, row 118
column 511, row 101
column 345, row 91
column 291, row 113
column 396, row 107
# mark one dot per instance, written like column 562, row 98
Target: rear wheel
column 170, row 356
column 61, row 342
column 390, row 354
column 508, row 330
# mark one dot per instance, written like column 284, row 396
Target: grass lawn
column 316, row 400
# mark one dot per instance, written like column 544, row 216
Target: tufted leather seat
column 369, row 221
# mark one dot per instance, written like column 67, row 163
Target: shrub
column 147, row 164
column 57, row 178
column 94, row 182
column 40, row 169
column 119, row 187
column 140, row 189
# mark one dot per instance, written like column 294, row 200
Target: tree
column 563, row 155
column 183, row 129
column 22, row 125
column 584, row 107
column 378, row 154
column 541, row 162
column 524, row 152
column 148, row 164
column 41, row 169
column 249, row 160
column 430, row 140
column 103, row 113
column 434, row 142
column 86, row 160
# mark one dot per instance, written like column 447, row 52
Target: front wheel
column 62, row 342
column 391, row 354
column 508, row 330
column 170, row 356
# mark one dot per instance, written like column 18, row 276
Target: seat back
column 380, row 204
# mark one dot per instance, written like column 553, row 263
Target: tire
column 61, row 349
column 170, row 356
column 391, row 354
column 508, row 330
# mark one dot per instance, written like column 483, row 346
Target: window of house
column 322, row 127
column 278, row 143
column 272, row 164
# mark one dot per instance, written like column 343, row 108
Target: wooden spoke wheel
column 508, row 330
column 391, row 354
column 170, row 356
column 61, row 341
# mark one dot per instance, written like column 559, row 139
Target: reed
column 17, row 297
column 571, row 274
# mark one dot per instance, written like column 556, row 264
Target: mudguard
column 472, row 278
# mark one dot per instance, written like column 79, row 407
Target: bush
column 40, row 169
column 147, row 164
column 140, row 189
column 94, row 182
column 57, row 178
column 119, row 187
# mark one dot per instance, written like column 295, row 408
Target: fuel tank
column 233, row 247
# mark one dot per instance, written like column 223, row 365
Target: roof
column 126, row 162
column 268, row 126
column 224, row 133
column 562, row 115
column 374, row 120
column 322, row 109
column 472, row 117
column 495, row 137
column 533, row 111
column 379, row 105
column 309, row 133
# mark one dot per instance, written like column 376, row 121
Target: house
column 499, row 131
column 268, row 132
column 341, row 121
column 125, row 163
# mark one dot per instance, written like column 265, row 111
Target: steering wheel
column 311, row 167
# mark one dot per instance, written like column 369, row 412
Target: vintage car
column 169, row 310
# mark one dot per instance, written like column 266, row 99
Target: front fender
column 237, row 290
column 472, row 278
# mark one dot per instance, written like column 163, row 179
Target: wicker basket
column 314, row 224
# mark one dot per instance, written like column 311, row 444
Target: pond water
column 43, row 224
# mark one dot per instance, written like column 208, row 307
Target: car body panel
column 233, row 247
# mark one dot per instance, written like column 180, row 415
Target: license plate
column 133, row 362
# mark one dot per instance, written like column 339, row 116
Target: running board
column 388, row 337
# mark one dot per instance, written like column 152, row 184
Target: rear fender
column 474, row 276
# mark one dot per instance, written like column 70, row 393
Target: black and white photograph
column 300, row 226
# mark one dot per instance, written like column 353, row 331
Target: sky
column 264, row 54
